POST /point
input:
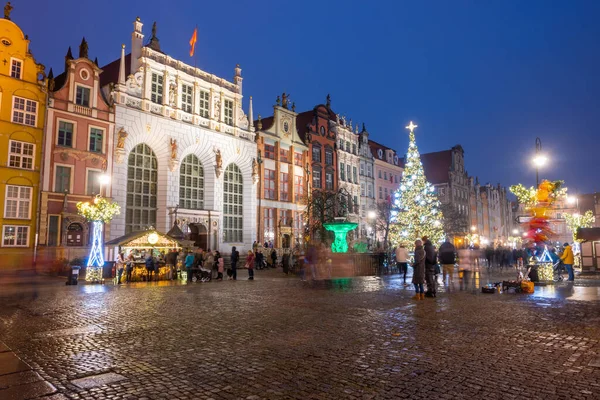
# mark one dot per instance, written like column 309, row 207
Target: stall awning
column 588, row 234
column 145, row 240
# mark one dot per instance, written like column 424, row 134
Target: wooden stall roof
column 140, row 240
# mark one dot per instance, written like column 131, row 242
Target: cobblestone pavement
column 278, row 337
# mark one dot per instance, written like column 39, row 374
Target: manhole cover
column 97, row 380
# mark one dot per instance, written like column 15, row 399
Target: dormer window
column 82, row 97
column 16, row 68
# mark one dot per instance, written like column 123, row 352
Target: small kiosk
column 140, row 244
column 590, row 248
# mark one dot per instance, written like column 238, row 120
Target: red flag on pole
column 193, row 42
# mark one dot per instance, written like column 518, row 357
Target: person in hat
column 567, row 258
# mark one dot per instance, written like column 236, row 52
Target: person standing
column 220, row 265
column 447, row 256
column 568, row 259
column 418, row 278
column 129, row 267
column 250, row 265
column 149, row 266
column 120, row 267
column 430, row 261
column 274, row 258
column 402, row 261
column 235, row 257
column 190, row 259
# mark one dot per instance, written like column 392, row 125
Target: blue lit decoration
column 98, row 213
column 545, row 257
column 96, row 258
column 545, row 266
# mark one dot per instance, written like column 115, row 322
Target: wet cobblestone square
column 278, row 337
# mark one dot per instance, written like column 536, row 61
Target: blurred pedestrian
column 190, row 260
column 250, row 265
column 418, row 278
column 220, row 265
column 568, row 259
column 447, row 257
column 149, row 265
column 120, row 267
column 274, row 258
column 430, row 262
column 235, row 257
column 129, row 267
column 402, row 261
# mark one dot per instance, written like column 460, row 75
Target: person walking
column 220, row 265
column 210, row 264
column 120, row 267
column 402, row 261
column 447, row 255
column 430, row 262
column 568, row 259
column 129, row 267
column 235, row 257
column 190, row 259
column 418, row 278
column 274, row 258
column 250, row 265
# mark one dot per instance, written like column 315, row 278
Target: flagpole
column 195, row 56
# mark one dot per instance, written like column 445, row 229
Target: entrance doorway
column 199, row 235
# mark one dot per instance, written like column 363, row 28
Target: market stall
column 590, row 248
column 140, row 244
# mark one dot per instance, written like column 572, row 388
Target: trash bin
column 73, row 275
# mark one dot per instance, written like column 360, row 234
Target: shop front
column 143, row 243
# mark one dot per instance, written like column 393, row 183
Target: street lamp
column 515, row 231
column 104, row 180
column 539, row 160
column 473, row 228
column 372, row 215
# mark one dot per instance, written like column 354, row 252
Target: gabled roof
column 436, row 166
column 110, row 72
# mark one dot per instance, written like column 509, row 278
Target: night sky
column 489, row 75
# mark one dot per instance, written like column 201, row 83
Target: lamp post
column 104, row 180
column 372, row 215
column 539, row 160
column 259, row 161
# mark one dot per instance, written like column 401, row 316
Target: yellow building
column 22, row 112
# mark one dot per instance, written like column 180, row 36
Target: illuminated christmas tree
column 98, row 213
column 416, row 207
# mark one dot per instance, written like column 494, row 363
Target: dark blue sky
column 490, row 75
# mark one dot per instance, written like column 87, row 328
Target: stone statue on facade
column 218, row 162
column 121, row 139
column 284, row 100
column 173, row 143
column 7, row 9
column 120, row 150
column 254, row 170
column 174, row 160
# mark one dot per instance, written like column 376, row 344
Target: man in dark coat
column 430, row 262
column 235, row 257
column 447, row 255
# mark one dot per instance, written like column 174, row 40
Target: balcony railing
column 83, row 110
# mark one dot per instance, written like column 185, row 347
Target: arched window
column 233, row 212
column 191, row 183
column 142, row 169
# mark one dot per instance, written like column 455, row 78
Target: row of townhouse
column 170, row 143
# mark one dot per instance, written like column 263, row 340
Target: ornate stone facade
column 190, row 142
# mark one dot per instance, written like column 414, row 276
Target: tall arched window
column 141, row 189
column 191, row 183
column 233, row 212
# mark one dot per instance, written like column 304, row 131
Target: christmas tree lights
column 417, row 210
column 98, row 213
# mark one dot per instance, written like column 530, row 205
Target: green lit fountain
column 340, row 229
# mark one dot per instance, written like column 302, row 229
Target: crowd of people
column 429, row 262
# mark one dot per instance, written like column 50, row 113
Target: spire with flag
column 193, row 41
